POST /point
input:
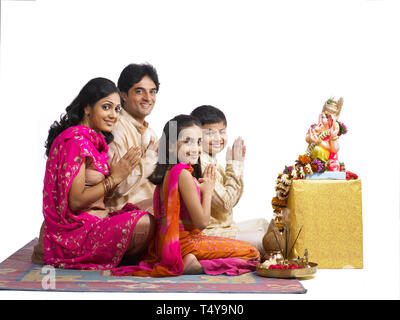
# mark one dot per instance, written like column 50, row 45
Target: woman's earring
column 85, row 120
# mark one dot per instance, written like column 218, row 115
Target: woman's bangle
column 113, row 181
column 107, row 186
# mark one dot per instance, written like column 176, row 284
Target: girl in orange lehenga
column 182, row 204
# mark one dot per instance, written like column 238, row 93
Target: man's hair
column 133, row 73
column 209, row 115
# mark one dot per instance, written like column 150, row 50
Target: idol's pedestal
column 330, row 214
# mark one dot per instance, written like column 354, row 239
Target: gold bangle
column 105, row 186
column 109, row 186
column 113, row 184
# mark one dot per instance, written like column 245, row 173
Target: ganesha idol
column 320, row 162
column 323, row 138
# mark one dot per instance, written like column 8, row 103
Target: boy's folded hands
column 238, row 150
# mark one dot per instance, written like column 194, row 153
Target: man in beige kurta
column 139, row 85
column 136, row 188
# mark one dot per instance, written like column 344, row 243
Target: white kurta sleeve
column 228, row 192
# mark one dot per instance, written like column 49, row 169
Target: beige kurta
column 227, row 192
column 128, row 132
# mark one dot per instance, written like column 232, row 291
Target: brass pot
column 274, row 254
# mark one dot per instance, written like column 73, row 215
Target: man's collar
column 139, row 126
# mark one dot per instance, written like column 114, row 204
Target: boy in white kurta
column 229, row 184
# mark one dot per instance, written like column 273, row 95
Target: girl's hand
column 238, row 149
column 207, row 183
column 121, row 170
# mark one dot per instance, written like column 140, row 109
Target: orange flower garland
column 304, row 159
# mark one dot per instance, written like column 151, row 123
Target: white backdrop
column 269, row 65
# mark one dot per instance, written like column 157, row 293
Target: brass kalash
column 279, row 259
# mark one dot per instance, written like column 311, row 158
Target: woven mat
column 18, row 273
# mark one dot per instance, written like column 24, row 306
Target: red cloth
column 351, row 175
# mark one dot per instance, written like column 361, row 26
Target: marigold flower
column 304, row 159
column 277, row 203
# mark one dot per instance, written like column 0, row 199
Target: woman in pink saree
column 78, row 231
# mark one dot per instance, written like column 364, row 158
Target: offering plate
column 287, row 273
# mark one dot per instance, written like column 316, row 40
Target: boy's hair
column 209, row 115
column 133, row 73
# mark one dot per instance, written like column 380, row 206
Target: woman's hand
column 80, row 196
column 207, row 182
column 121, row 170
